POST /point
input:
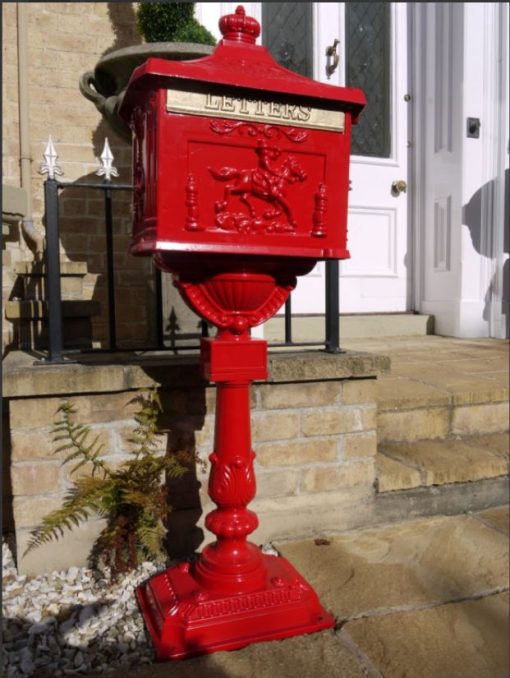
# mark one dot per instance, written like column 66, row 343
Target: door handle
column 332, row 58
column 398, row 187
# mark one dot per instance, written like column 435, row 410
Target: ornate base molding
column 186, row 620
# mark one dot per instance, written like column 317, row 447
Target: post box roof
column 239, row 63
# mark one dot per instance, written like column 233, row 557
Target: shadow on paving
column 309, row 656
column 305, row 656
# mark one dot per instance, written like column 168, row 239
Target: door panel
column 377, row 215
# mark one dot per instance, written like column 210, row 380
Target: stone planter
column 105, row 86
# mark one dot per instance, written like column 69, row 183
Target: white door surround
column 456, row 254
column 460, row 70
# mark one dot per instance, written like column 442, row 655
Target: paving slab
column 425, row 598
column 462, row 640
column 311, row 656
column 419, row 562
column 497, row 517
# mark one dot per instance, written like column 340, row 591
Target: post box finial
column 239, row 27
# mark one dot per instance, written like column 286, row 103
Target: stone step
column 29, row 318
column 311, row 328
column 33, row 276
column 428, row 463
column 35, row 309
column 468, row 404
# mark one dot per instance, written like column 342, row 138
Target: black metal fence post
column 332, row 307
column 52, row 257
column 288, row 321
column 160, row 321
column 112, row 323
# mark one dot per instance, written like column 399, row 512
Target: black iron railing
column 56, row 351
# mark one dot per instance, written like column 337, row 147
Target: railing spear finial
column 106, row 167
column 50, row 156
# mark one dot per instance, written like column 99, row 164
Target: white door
column 372, row 53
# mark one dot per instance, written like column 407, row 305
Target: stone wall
column 313, row 427
column 66, row 39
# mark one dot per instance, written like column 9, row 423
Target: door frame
column 493, row 161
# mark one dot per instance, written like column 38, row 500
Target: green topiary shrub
column 171, row 22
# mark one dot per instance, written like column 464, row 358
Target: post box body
column 235, row 155
column 241, row 173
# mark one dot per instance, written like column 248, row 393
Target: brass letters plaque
column 254, row 110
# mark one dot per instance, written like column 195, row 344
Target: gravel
column 71, row 622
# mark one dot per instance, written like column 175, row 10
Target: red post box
column 240, row 184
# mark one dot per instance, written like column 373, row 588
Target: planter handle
column 86, row 80
column 107, row 106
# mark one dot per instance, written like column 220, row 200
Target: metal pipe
column 29, row 229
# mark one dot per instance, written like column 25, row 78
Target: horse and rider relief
column 262, row 192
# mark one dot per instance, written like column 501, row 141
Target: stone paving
column 417, row 599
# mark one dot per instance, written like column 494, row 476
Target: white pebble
column 103, row 628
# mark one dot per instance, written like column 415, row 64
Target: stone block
column 413, row 424
column 71, row 549
column 311, row 515
column 37, row 309
column 330, row 422
column 311, row 394
column 317, row 366
column 31, row 444
column 473, row 389
column 357, row 445
column 90, row 409
column 67, row 268
column 296, row 452
column 490, row 418
column 495, row 443
column 447, row 461
column 34, row 479
column 188, row 401
column 277, row 483
column 204, row 436
column 369, row 417
column 393, row 475
column 358, row 391
column 29, row 511
column 274, row 425
column 468, row 639
column 329, row 478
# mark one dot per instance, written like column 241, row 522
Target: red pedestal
column 233, row 595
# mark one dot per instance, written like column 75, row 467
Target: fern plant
column 132, row 498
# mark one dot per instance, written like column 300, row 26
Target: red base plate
column 184, row 620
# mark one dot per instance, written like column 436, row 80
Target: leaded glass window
column 287, row 33
column 368, row 29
